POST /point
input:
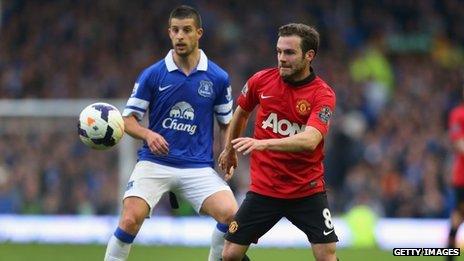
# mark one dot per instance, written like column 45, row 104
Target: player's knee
column 228, row 254
column 326, row 253
column 224, row 215
column 227, row 216
column 130, row 223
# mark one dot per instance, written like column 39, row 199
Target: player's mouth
column 181, row 45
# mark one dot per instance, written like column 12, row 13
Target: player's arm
column 155, row 142
column 237, row 126
column 228, row 158
column 459, row 146
column 223, row 129
column 304, row 141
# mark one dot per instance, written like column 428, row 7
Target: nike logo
column 328, row 232
column 162, row 88
column 265, row 97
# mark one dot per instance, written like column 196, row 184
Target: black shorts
column 459, row 195
column 258, row 214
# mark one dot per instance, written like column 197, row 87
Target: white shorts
column 150, row 181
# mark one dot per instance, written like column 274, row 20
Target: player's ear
column 199, row 32
column 309, row 55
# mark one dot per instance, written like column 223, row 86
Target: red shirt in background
column 286, row 110
column 456, row 132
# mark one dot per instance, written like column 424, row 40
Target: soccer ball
column 100, row 126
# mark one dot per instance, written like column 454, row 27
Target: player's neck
column 301, row 76
column 307, row 78
column 187, row 63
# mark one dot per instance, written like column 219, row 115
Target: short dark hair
column 308, row 34
column 185, row 11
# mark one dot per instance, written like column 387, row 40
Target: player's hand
column 157, row 144
column 247, row 145
column 228, row 162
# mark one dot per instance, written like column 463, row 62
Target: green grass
column 36, row 252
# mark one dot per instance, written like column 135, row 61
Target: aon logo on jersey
column 283, row 127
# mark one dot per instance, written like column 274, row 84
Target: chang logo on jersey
column 180, row 118
column 283, row 126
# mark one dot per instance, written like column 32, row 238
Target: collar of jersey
column 171, row 65
column 310, row 78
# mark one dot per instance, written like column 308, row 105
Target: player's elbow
column 129, row 120
column 310, row 139
column 309, row 147
column 309, row 143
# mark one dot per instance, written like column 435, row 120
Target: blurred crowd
column 45, row 169
column 395, row 65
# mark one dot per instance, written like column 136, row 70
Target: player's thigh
column 148, row 182
column 324, row 251
column 197, row 185
column 312, row 216
column 221, row 205
column 257, row 215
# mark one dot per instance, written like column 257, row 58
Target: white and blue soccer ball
column 100, row 126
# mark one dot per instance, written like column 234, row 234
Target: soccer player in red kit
column 456, row 132
column 295, row 107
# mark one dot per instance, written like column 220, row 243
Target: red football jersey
column 286, row 110
column 456, row 132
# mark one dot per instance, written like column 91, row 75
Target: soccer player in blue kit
column 182, row 94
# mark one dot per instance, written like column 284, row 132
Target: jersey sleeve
column 323, row 108
column 248, row 99
column 140, row 98
column 456, row 124
column 224, row 102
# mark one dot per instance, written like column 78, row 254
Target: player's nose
column 179, row 36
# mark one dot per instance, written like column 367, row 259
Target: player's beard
column 296, row 69
column 187, row 50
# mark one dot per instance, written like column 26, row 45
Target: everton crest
column 206, row 89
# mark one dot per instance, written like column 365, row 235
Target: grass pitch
column 38, row 252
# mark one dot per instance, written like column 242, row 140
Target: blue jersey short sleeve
column 224, row 101
column 142, row 95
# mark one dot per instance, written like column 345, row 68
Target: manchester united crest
column 233, row 227
column 303, row 107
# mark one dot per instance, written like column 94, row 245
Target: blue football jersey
column 182, row 108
